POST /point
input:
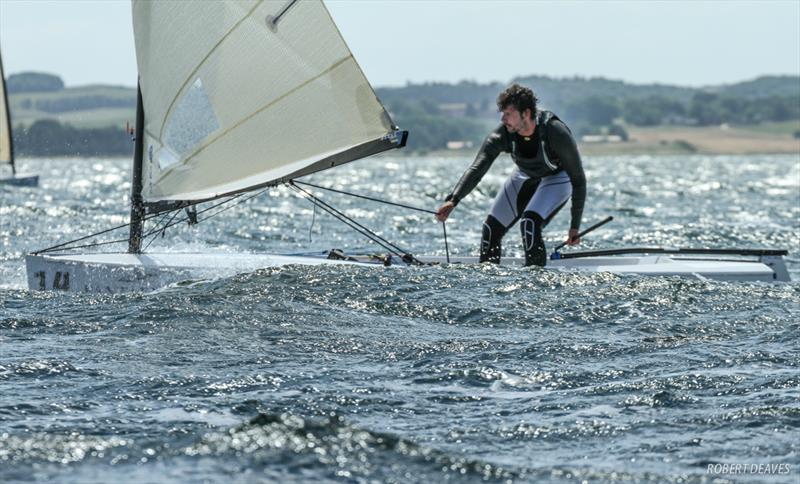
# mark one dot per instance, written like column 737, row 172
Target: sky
column 687, row 43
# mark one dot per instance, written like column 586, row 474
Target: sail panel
column 231, row 103
column 6, row 154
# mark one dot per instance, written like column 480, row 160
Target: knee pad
column 531, row 226
column 491, row 237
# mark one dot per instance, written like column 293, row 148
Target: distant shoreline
column 682, row 140
column 659, row 140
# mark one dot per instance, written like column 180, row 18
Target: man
column 548, row 172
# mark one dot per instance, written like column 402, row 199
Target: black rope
column 386, row 244
column 392, row 248
column 162, row 230
column 365, row 197
column 349, row 222
column 446, row 248
column 186, row 219
column 95, row 244
column 313, row 219
column 58, row 246
column 378, row 200
column 163, row 215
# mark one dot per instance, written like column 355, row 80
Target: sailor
column 548, row 172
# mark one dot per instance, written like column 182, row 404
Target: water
column 458, row 374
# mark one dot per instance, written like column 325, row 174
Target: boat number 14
column 60, row 281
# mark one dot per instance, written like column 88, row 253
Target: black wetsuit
column 535, row 161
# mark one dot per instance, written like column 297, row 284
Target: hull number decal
column 60, row 281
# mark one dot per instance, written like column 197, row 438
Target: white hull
column 20, row 179
column 116, row 272
column 661, row 265
column 119, row 272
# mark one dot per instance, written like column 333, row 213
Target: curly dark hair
column 520, row 97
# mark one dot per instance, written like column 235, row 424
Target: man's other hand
column 444, row 211
column 572, row 237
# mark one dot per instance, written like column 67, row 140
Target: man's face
column 513, row 120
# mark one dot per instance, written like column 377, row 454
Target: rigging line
column 313, row 219
column 444, row 230
column 234, row 205
column 446, row 247
column 185, row 219
column 404, row 255
column 161, row 220
column 316, row 204
column 341, row 214
column 163, row 230
column 65, row 245
column 59, row 246
column 274, row 20
column 95, row 244
column 342, row 218
column 62, row 245
column 349, row 222
column 365, row 197
column 364, row 232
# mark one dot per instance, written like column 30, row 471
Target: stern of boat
column 21, row 180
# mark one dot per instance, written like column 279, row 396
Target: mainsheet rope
column 392, row 248
column 378, row 200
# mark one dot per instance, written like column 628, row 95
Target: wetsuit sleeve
column 494, row 145
column 566, row 151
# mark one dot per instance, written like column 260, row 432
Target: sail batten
column 259, row 110
column 234, row 102
column 193, row 74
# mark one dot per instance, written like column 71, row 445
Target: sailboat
column 7, row 142
column 240, row 95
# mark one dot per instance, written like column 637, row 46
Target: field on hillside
column 102, row 106
column 762, row 138
column 82, row 107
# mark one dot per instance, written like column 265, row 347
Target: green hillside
column 85, row 106
column 435, row 113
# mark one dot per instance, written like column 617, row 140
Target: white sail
column 6, row 155
column 234, row 99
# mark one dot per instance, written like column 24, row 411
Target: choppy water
column 446, row 374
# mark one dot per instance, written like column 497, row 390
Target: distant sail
column 234, row 99
column 6, row 151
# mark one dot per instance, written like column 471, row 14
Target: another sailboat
column 7, row 142
column 239, row 95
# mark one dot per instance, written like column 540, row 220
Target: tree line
column 51, row 138
column 436, row 113
column 589, row 106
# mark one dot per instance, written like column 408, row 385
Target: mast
column 137, row 205
column 7, row 114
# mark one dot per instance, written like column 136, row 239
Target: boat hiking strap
column 404, row 255
column 378, row 200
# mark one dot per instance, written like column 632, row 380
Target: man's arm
column 492, row 147
column 566, row 150
column 490, row 150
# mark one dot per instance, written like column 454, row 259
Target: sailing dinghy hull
column 20, row 180
column 120, row 272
